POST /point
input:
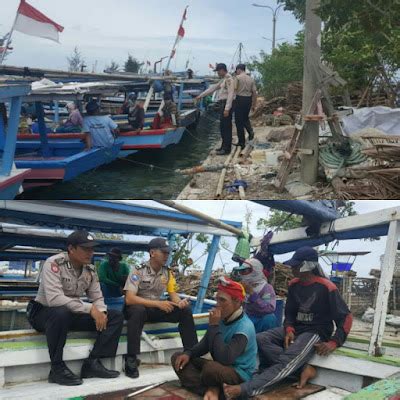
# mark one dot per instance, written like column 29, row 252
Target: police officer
column 143, row 289
column 58, row 308
column 226, row 96
column 246, row 100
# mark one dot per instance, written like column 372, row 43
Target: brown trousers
column 200, row 374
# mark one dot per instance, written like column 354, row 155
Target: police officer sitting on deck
column 143, row 289
column 58, row 308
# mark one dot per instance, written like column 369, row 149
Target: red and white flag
column 180, row 35
column 32, row 22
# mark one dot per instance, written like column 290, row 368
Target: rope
column 151, row 166
column 334, row 157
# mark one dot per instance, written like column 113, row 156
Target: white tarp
column 384, row 119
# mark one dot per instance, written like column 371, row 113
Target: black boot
column 62, row 375
column 222, row 152
column 93, row 368
column 251, row 135
column 132, row 367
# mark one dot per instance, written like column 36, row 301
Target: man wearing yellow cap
column 231, row 340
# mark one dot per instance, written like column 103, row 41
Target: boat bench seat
column 352, row 370
column 24, row 353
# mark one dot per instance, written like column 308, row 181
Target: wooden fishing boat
column 52, row 169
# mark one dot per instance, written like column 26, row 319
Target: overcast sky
column 107, row 30
column 236, row 210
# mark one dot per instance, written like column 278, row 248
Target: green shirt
column 110, row 277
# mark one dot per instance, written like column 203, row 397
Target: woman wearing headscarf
column 260, row 302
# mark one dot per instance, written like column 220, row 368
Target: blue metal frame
column 13, row 93
column 180, row 98
column 46, row 152
column 207, row 273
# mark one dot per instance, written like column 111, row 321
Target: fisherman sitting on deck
column 74, row 122
column 260, row 299
column 99, row 129
column 136, row 115
column 313, row 303
column 143, row 290
column 58, row 308
column 113, row 273
column 231, row 340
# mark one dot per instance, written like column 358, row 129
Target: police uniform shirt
column 245, row 85
column 226, row 92
column 62, row 285
column 144, row 282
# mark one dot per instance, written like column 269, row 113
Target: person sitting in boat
column 100, row 129
column 170, row 111
column 260, row 302
column 58, row 308
column 136, row 115
column 74, row 123
column 231, row 341
column 113, row 273
column 313, row 304
column 143, row 290
column 129, row 102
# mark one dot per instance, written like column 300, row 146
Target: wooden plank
column 288, row 392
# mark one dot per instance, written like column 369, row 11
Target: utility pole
column 274, row 19
column 311, row 78
column 240, row 52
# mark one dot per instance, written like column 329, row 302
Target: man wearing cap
column 113, row 273
column 58, row 308
column 313, row 304
column 231, row 340
column 100, row 130
column 246, row 99
column 226, row 96
column 143, row 290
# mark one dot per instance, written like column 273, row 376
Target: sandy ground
column 258, row 170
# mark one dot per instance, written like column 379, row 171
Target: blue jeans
column 110, row 291
column 262, row 324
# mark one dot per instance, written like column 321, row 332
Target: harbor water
column 148, row 174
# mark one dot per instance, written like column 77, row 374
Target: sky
column 107, row 30
column 235, row 210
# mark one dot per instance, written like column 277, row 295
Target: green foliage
column 132, row 65
column 282, row 67
column 112, row 68
column 359, row 37
column 76, row 61
column 280, row 221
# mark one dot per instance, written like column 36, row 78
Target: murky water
column 132, row 178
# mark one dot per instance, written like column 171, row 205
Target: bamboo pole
column 242, row 193
column 221, row 179
column 197, row 214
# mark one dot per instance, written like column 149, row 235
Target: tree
column 360, row 38
column 76, row 62
column 132, row 65
column 283, row 66
column 112, row 68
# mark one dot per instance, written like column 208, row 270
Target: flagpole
column 3, row 56
column 176, row 40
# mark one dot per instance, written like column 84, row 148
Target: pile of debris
column 190, row 284
column 279, row 110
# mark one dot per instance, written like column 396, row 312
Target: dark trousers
column 226, row 127
column 276, row 362
column 56, row 322
column 200, row 374
column 138, row 315
column 242, row 120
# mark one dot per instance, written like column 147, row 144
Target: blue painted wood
column 42, row 129
column 212, row 252
column 11, row 139
column 10, row 191
column 56, row 112
column 180, row 98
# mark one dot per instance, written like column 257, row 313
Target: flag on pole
column 181, row 33
column 32, row 22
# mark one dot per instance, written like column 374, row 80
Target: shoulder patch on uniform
column 134, row 278
column 141, row 266
column 59, row 260
column 91, row 267
column 54, row 268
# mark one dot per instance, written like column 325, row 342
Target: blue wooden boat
column 10, row 178
column 51, row 169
